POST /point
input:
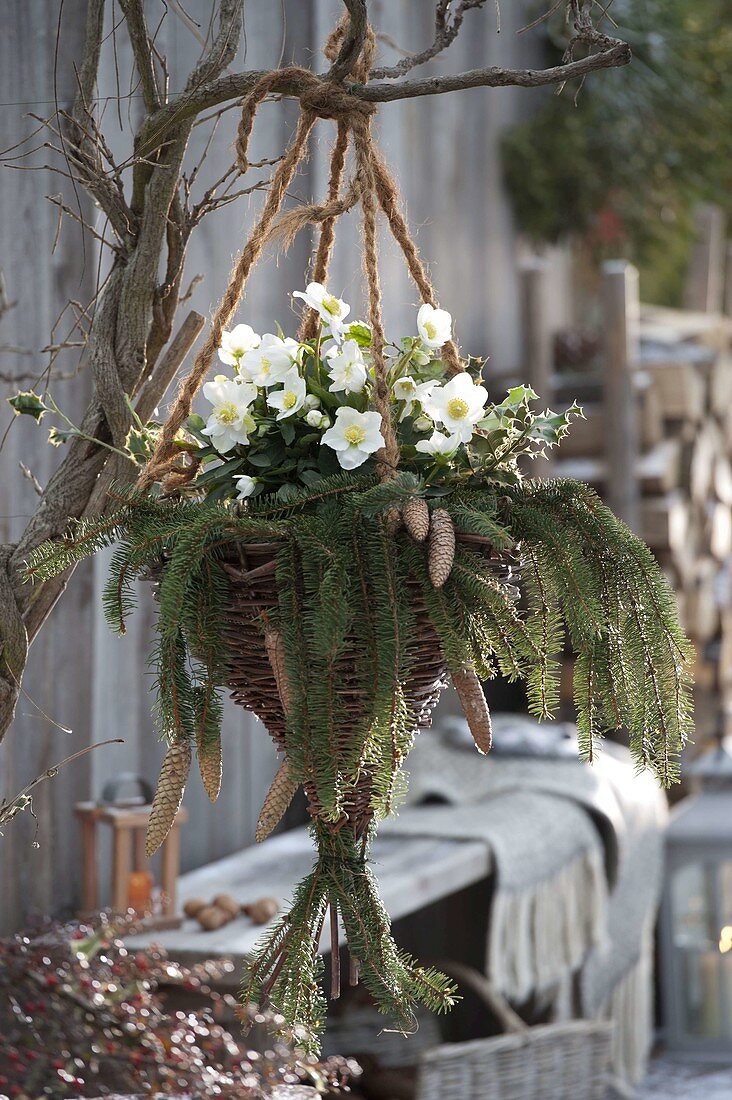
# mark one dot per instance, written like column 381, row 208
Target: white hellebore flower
column 346, row 368
column 268, row 364
column 439, row 445
column 236, row 343
column 245, row 485
column 410, row 392
column 230, row 421
column 315, row 418
column 434, row 325
column 354, row 436
column 291, row 398
column 458, row 405
column 332, row 310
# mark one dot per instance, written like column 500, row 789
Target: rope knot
column 328, row 100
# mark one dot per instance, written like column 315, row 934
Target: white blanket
column 578, row 859
column 549, row 887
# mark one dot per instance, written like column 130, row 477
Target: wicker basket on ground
column 548, row 1062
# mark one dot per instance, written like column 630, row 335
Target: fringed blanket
column 577, row 855
column 549, row 887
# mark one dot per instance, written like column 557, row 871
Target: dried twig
column 22, row 801
column 447, row 28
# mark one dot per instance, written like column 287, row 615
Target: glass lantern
column 696, row 912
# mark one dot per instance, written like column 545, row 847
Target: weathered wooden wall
column 445, row 154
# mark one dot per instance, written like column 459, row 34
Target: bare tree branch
column 494, row 77
column 614, row 54
column 352, row 41
column 142, row 48
column 446, row 31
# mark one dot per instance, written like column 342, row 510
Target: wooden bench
column 413, row 872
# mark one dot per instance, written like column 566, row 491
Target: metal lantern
column 133, row 886
column 696, row 913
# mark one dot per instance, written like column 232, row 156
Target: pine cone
column 210, row 765
column 275, row 646
column 416, row 516
column 279, row 797
column 169, row 795
column 441, row 552
column 475, row 708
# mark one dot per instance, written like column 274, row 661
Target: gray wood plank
column 412, row 872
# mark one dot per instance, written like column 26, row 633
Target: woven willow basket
column 564, row 1061
column 251, row 570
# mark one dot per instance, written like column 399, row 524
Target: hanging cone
column 169, row 795
column 279, row 796
column 210, row 765
column 441, row 553
column 416, row 516
column 474, row 707
column 275, row 646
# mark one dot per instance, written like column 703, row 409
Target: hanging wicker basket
column 253, row 601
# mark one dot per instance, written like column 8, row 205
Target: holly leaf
column 520, row 395
column 139, row 444
column 28, row 403
column 359, row 332
column 58, row 436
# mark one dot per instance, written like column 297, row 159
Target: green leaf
column 310, row 477
column 286, row 492
column 58, row 436
column 139, row 443
column 287, row 431
column 195, row 425
column 28, row 403
column 520, row 395
column 261, row 459
column 225, row 470
column 359, row 332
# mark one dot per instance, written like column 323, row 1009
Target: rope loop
column 373, row 185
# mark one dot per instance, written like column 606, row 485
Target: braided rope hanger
column 372, row 184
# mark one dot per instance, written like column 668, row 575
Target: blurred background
column 580, row 242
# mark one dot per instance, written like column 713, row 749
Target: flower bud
column 422, row 424
column 312, row 402
column 314, row 417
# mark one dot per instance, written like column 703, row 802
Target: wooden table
column 413, row 872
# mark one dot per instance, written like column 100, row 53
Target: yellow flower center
column 289, row 399
column 457, row 408
column 355, row 434
column 431, row 329
column 332, row 305
column 227, row 413
column 265, row 364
